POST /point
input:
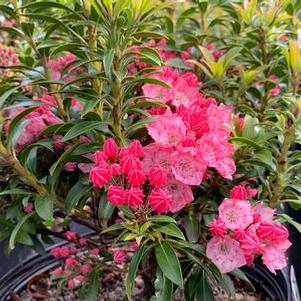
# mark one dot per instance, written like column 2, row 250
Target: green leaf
column 163, row 286
column 93, row 286
column 162, row 219
column 130, row 278
column 168, row 262
column 151, row 54
column 107, row 61
column 105, row 210
column 44, row 206
column 287, row 218
column 192, row 228
column 171, row 230
column 15, row 232
column 131, row 130
column 83, row 127
column 204, row 291
column 245, row 141
column 15, row 191
column 75, row 194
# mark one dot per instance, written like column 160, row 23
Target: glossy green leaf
column 168, row 262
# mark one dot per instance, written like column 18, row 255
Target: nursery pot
column 277, row 288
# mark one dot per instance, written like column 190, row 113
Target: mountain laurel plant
column 169, row 129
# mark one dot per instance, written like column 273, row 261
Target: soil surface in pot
column 112, row 289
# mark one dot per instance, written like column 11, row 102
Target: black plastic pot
column 277, row 288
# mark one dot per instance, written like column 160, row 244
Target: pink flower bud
column 58, row 272
column 99, row 176
column 28, row 208
column 100, row 158
column 71, row 262
column 71, row 284
column 136, row 177
column 119, row 256
column 116, row 195
column 70, row 166
column 64, row 252
column 115, row 170
column 73, row 250
column 129, row 162
column 55, row 252
column 218, row 228
column 85, row 269
column 94, row 251
column 238, row 192
column 111, row 149
column 70, row 235
column 160, row 201
column 82, row 242
column 134, row 197
column 135, row 148
column 157, row 176
column 81, row 279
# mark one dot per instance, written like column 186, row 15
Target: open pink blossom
column 187, row 165
column 236, row 214
column 156, row 154
column 274, row 256
column 167, row 129
column 272, row 231
column 265, row 212
column 181, row 194
column 226, row 253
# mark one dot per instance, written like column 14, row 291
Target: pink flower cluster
column 244, row 231
column 61, row 67
column 192, row 135
column 122, row 170
column 77, row 263
column 38, row 119
column 8, row 57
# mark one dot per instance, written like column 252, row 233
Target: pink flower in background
column 119, row 256
column 236, row 214
column 160, row 201
column 226, row 253
column 85, row 268
column 58, row 272
column 70, row 235
column 187, row 165
column 274, row 92
column 70, row 166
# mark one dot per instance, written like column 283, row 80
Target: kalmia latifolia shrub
column 147, row 123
